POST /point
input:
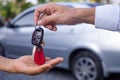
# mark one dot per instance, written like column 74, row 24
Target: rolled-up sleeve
column 108, row 17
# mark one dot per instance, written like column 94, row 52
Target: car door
column 66, row 36
column 18, row 42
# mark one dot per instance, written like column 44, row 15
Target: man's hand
column 51, row 14
column 26, row 65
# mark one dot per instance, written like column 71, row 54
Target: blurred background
column 11, row 8
column 100, row 49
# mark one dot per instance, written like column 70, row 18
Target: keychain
column 37, row 41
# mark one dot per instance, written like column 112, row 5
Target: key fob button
column 38, row 36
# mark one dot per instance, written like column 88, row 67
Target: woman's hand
column 26, row 65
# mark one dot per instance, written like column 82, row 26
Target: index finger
column 37, row 13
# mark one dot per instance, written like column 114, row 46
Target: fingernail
column 54, row 29
column 39, row 22
column 61, row 59
column 49, row 27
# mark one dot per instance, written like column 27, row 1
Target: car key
column 37, row 41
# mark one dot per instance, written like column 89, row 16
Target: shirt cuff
column 108, row 17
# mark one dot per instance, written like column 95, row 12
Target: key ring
column 41, row 15
column 37, row 26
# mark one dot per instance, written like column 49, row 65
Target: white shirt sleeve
column 108, row 17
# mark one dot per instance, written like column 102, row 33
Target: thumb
column 46, row 20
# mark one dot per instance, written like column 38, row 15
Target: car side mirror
column 10, row 25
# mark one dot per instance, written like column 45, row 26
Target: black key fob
column 37, row 36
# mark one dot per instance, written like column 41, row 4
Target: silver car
column 89, row 53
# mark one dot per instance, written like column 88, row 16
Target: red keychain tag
column 39, row 57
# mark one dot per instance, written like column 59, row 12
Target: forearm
column 104, row 17
column 6, row 64
column 86, row 15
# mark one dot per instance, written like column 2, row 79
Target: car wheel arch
column 75, row 52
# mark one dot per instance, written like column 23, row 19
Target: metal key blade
column 33, row 51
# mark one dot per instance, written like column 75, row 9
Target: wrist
column 86, row 15
column 6, row 64
column 10, row 67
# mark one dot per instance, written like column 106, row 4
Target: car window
column 26, row 20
